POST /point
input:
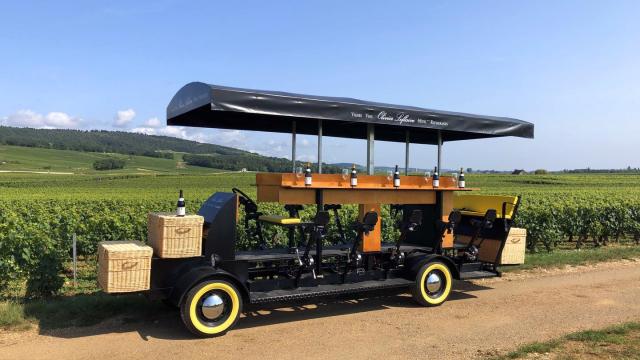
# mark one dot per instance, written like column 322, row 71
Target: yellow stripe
column 234, row 308
column 277, row 219
column 445, row 293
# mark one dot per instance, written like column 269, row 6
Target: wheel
column 433, row 284
column 211, row 308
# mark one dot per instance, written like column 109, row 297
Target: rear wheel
column 211, row 308
column 433, row 284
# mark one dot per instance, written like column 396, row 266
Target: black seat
column 479, row 226
column 454, row 218
column 315, row 234
column 363, row 227
column 406, row 226
column 368, row 223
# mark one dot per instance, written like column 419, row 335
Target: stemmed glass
column 427, row 176
column 299, row 172
column 389, row 175
column 345, row 174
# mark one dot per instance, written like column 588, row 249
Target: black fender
column 415, row 261
column 192, row 277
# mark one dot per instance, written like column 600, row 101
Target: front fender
column 192, row 277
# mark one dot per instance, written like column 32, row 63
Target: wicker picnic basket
column 173, row 236
column 514, row 248
column 124, row 266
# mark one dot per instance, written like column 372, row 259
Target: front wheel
column 433, row 284
column 211, row 308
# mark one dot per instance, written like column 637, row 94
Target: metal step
column 474, row 266
column 478, row 274
column 327, row 290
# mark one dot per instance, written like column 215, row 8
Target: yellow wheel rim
column 235, row 308
column 442, row 269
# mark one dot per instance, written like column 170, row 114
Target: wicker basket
column 174, row 236
column 124, row 266
column 514, row 248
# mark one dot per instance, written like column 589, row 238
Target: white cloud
column 123, row 117
column 144, row 130
column 305, row 143
column 233, row 138
column 175, row 131
column 307, row 158
column 30, row 118
column 153, row 122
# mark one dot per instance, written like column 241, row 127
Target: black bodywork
column 268, row 275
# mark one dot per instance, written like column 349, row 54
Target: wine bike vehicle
column 443, row 236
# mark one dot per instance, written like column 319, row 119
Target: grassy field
column 615, row 342
column 145, row 176
column 18, row 158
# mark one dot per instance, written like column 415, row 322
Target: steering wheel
column 250, row 206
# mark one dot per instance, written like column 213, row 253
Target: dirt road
column 480, row 319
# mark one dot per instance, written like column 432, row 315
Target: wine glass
column 455, row 178
column 427, row 176
column 345, row 174
column 299, row 172
column 389, row 175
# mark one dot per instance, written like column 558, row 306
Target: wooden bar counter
column 372, row 191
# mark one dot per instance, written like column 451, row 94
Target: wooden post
column 75, row 260
column 447, row 207
column 372, row 241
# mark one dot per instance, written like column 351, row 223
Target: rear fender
column 414, row 263
column 198, row 274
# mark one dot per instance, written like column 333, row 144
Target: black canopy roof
column 203, row 105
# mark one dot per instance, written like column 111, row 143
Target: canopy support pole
column 293, row 146
column 319, row 146
column 370, row 141
column 406, row 153
column 439, row 152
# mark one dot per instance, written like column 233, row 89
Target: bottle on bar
column 354, row 176
column 436, row 178
column 396, row 178
column 307, row 175
column 461, row 179
column 180, row 209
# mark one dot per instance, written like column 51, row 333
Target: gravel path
column 481, row 319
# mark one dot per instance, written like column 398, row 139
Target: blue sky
column 570, row 67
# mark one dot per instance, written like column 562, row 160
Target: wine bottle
column 396, row 178
column 436, row 178
column 461, row 179
column 180, row 211
column 307, row 175
column 354, row 176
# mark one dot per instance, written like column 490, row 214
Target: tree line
column 103, row 141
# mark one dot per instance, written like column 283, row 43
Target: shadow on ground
column 155, row 320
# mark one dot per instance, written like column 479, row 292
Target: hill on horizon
column 105, row 141
column 155, row 146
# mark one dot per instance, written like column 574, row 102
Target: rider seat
column 279, row 220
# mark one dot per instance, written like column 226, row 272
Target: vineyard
column 41, row 213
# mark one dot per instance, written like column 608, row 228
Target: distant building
column 518, row 172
